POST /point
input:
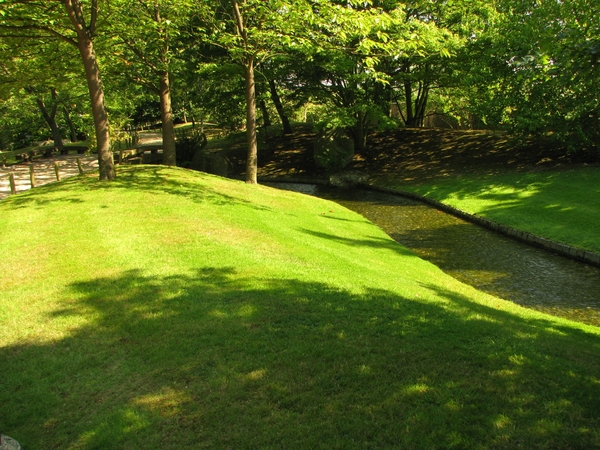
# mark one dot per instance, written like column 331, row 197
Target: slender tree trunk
column 252, row 161
column 105, row 156
column 421, row 107
column 166, row 109
column 72, row 131
column 265, row 113
column 410, row 117
column 92, row 73
column 168, row 129
column 285, row 121
column 360, row 134
column 248, row 63
column 50, row 118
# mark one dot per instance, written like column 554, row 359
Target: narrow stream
column 493, row 263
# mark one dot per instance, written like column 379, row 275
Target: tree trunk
column 92, row 75
column 265, row 113
column 92, row 72
column 415, row 112
column 50, row 118
column 360, row 133
column 410, row 117
column 168, row 129
column 252, row 161
column 421, row 104
column 285, row 121
column 72, row 131
column 248, row 63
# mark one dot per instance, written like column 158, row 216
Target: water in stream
column 501, row 266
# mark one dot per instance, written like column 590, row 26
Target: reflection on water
column 488, row 261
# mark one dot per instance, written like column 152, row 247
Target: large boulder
column 215, row 163
column 333, row 150
column 348, row 179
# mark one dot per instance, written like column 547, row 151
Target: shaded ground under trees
column 416, row 154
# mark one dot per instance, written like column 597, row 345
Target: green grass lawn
column 561, row 205
column 174, row 310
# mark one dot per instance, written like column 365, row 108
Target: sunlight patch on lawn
column 256, row 374
column 502, row 421
column 518, row 360
column 481, row 317
column 242, row 311
column 453, row 405
column 166, row 403
column 505, row 373
column 418, row 388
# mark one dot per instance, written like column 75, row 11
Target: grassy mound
column 171, row 309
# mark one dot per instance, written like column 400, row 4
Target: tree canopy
column 526, row 66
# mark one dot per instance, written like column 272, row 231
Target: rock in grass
column 8, row 443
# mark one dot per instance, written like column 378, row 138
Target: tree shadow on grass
column 217, row 360
column 374, row 242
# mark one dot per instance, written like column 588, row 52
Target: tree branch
column 52, row 33
column 140, row 55
column 73, row 8
column 93, row 18
column 78, row 11
column 240, row 23
column 145, row 83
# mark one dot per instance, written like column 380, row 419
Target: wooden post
column 4, row 161
column 11, row 179
column 57, row 170
column 32, row 175
column 79, row 166
column 120, row 156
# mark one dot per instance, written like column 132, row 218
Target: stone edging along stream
column 578, row 254
column 538, row 241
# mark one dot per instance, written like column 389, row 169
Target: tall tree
column 74, row 22
column 253, row 32
column 85, row 29
column 148, row 30
column 49, row 112
column 248, row 61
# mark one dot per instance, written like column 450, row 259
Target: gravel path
column 44, row 171
column 44, row 167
